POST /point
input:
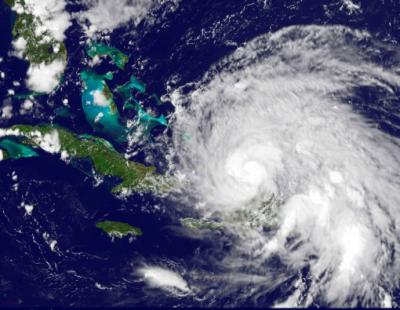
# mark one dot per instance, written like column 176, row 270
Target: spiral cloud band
column 275, row 119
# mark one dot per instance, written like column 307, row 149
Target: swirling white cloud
column 273, row 119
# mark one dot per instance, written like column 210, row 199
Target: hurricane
column 270, row 143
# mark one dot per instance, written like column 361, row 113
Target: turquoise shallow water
column 16, row 150
column 101, row 110
column 130, row 102
column 132, row 84
column 118, row 58
column 99, row 107
column 98, row 102
column 87, row 268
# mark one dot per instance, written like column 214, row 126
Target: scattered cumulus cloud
column 26, row 107
column 51, row 21
column 7, row 111
column 19, row 46
column 45, row 77
column 51, row 13
column 104, row 15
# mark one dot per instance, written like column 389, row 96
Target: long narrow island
column 119, row 229
column 105, row 159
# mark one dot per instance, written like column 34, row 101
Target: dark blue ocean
column 68, row 203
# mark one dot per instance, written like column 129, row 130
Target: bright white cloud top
column 48, row 20
column 272, row 120
column 55, row 19
column 164, row 278
column 105, row 16
column 45, row 77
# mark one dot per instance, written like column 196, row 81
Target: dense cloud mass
column 271, row 123
column 52, row 14
column 45, row 77
column 104, row 15
column 51, row 20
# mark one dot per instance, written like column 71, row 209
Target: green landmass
column 117, row 57
column 13, row 150
column 262, row 216
column 98, row 140
column 119, row 229
column 10, row 2
column 105, row 159
column 40, row 48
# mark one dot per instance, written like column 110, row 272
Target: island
column 98, row 102
column 199, row 224
column 119, row 229
column 99, row 106
column 13, row 149
column 145, row 119
column 117, row 57
column 106, row 161
column 41, row 46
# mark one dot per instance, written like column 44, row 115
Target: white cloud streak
column 105, row 15
column 163, row 278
